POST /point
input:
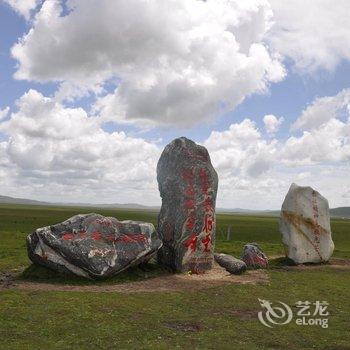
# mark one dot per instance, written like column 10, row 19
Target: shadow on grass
column 281, row 262
column 40, row 274
column 286, row 263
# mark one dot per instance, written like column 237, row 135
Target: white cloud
column 313, row 33
column 63, row 153
column 4, row 112
column 272, row 123
column 23, row 7
column 328, row 143
column 326, row 132
column 58, row 153
column 256, row 172
column 176, row 62
column 241, row 150
column 322, row 110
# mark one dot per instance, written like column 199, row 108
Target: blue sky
column 292, row 77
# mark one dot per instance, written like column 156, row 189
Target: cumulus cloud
column 325, row 126
column 252, row 168
column 4, row 112
column 23, row 7
column 272, row 123
column 67, row 151
column 241, row 150
column 328, row 143
column 322, row 110
column 256, row 173
column 314, row 33
column 57, row 153
column 174, row 62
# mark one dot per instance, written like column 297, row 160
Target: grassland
column 222, row 317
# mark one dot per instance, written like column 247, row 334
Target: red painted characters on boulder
column 198, row 241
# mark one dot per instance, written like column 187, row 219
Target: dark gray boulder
column 230, row 263
column 93, row 246
column 186, row 223
column 254, row 257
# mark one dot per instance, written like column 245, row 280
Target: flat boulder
column 186, row 223
column 92, row 245
column 230, row 263
column 305, row 226
column 254, row 257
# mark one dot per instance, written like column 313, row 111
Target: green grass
column 217, row 318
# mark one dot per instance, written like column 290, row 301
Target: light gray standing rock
column 230, row 263
column 93, row 246
column 305, row 226
column 186, row 223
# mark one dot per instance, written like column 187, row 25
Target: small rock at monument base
column 230, row 263
column 305, row 226
column 188, row 185
column 254, row 257
column 93, row 246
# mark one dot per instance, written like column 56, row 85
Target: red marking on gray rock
column 93, row 246
column 254, row 257
column 186, row 223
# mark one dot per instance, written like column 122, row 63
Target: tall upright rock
column 305, row 226
column 186, row 223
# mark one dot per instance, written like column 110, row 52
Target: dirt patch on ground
column 168, row 283
column 244, row 314
column 185, row 326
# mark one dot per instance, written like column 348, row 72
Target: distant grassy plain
column 218, row 318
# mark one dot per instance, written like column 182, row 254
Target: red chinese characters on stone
column 207, row 243
column 132, row 238
column 191, row 243
column 190, row 222
column 207, row 229
column 96, row 235
column 188, row 176
column 204, row 181
column 208, row 207
column 67, row 236
column 208, row 223
column 127, row 238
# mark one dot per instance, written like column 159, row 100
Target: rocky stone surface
column 305, row 226
column 92, row 245
column 254, row 257
column 230, row 263
column 186, row 223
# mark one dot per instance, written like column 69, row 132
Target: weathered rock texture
column 186, row 223
column 305, row 226
column 230, row 263
column 254, row 257
column 92, row 245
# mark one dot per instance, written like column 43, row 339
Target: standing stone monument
column 186, row 223
column 305, row 226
